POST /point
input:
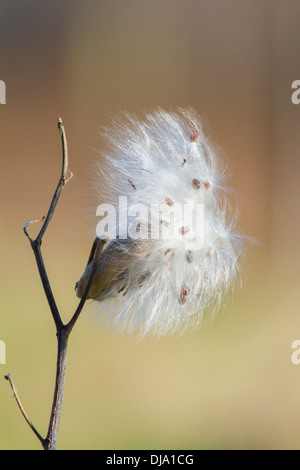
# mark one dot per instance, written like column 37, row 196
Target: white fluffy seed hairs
column 173, row 253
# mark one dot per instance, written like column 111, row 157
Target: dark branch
column 10, row 380
column 61, row 182
column 36, row 246
column 61, row 364
column 62, row 331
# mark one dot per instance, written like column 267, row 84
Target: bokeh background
column 232, row 384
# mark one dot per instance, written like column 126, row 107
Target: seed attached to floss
column 143, row 277
column 130, row 182
column 168, row 261
column 183, row 230
column 189, row 256
column 169, row 202
column 196, row 184
column 165, row 223
column 187, row 281
column 183, row 293
column 194, row 135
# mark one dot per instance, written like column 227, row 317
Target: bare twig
column 8, row 377
column 61, row 182
column 36, row 244
column 27, row 225
column 62, row 331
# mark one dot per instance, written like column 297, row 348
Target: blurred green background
column 232, row 384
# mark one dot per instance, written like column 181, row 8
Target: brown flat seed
column 130, row 182
column 196, row 184
column 169, row 202
column 194, row 135
column 143, row 277
column 183, row 230
column 169, row 252
column 186, row 290
column 207, row 185
column 189, row 256
column 183, row 293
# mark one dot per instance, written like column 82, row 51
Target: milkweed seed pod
column 172, row 253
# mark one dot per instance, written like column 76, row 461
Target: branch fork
column 62, row 330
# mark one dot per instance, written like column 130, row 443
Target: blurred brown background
column 231, row 385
